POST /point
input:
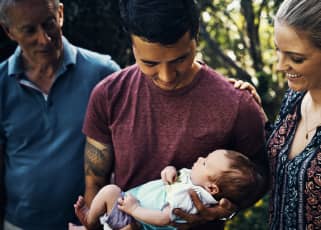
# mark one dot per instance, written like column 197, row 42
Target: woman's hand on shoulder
column 243, row 85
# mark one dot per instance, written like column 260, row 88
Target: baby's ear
column 212, row 188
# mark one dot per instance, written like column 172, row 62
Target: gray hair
column 5, row 5
column 303, row 15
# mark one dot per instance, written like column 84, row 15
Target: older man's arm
column 2, row 193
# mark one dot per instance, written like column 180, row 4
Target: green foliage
column 254, row 218
column 237, row 39
column 96, row 25
column 6, row 46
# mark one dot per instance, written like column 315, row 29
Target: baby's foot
column 81, row 210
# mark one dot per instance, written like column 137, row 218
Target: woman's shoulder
column 290, row 101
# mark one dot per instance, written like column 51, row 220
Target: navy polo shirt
column 44, row 145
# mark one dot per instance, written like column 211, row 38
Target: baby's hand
column 128, row 203
column 169, row 175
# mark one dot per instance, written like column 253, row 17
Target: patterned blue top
column 296, row 183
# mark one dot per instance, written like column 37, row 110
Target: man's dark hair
column 160, row 21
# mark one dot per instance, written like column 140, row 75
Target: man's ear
column 61, row 14
column 6, row 30
column 212, row 188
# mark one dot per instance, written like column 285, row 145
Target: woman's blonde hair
column 303, row 15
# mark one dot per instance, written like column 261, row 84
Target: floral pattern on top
column 295, row 201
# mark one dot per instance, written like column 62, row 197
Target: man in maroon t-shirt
column 167, row 109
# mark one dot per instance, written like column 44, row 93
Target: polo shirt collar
column 70, row 56
column 14, row 63
column 15, row 67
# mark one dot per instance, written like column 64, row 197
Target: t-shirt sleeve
column 249, row 134
column 249, row 128
column 96, row 123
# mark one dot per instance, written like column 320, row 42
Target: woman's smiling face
column 298, row 58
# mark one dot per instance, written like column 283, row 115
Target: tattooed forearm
column 98, row 162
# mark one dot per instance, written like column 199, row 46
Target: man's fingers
column 224, row 203
column 182, row 214
column 229, row 206
column 181, row 226
column 188, row 217
column 72, row 226
column 196, row 200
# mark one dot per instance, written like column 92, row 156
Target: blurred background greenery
column 236, row 38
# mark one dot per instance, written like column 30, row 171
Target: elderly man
column 44, row 90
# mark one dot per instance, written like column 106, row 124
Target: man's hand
column 72, row 226
column 205, row 214
column 169, row 175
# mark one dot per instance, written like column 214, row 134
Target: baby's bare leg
column 101, row 204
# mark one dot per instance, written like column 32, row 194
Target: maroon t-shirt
column 150, row 128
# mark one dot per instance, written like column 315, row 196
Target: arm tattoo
column 98, row 162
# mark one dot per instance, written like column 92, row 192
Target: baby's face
column 211, row 166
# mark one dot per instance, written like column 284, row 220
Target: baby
column 223, row 173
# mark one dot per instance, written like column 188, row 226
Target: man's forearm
column 98, row 167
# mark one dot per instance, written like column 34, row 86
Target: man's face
column 168, row 66
column 36, row 26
